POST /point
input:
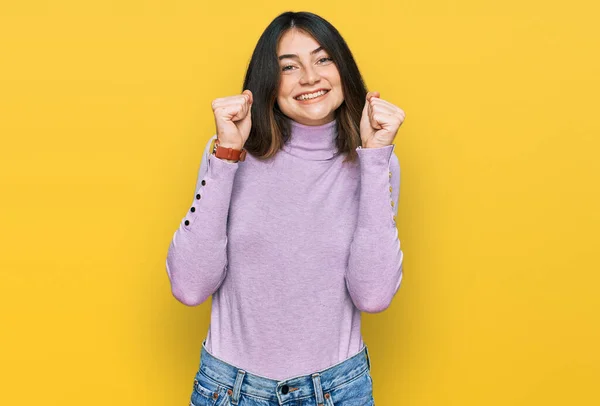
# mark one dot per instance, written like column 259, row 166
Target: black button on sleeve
column 198, row 196
column 203, row 182
column 193, row 209
column 187, row 223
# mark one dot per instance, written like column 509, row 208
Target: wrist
column 365, row 146
column 230, row 152
column 232, row 145
column 225, row 159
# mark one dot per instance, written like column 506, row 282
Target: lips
column 312, row 91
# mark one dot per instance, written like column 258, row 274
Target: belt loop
column 237, row 386
column 316, row 377
column 367, row 357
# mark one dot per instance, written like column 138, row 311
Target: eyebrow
column 295, row 56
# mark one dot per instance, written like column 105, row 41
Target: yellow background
column 104, row 113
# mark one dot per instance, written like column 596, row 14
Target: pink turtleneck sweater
column 292, row 250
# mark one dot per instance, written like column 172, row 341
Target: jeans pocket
column 358, row 391
column 207, row 392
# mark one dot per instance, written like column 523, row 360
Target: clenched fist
column 233, row 119
column 380, row 121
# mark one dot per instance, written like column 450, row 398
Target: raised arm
column 197, row 256
column 374, row 269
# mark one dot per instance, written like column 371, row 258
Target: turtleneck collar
column 312, row 142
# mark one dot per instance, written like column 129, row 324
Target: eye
column 285, row 68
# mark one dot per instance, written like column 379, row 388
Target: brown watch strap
column 228, row 153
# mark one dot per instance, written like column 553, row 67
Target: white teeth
column 311, row 95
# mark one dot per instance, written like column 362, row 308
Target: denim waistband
column 302, row 386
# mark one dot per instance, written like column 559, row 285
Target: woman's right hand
column 233, row 119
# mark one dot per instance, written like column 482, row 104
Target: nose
column 310, row 76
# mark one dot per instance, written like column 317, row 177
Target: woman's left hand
column 380, row 122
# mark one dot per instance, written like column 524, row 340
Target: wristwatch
column 227, row 153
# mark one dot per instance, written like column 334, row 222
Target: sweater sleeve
column 197, row 256
column 375, row 261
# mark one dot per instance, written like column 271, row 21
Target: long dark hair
column 270, row 127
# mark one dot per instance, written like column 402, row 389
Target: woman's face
column 306, row 69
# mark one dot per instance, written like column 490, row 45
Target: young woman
column 292, row 227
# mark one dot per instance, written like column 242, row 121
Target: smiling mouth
column 321, row 94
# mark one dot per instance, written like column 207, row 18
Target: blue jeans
column 348, row 383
